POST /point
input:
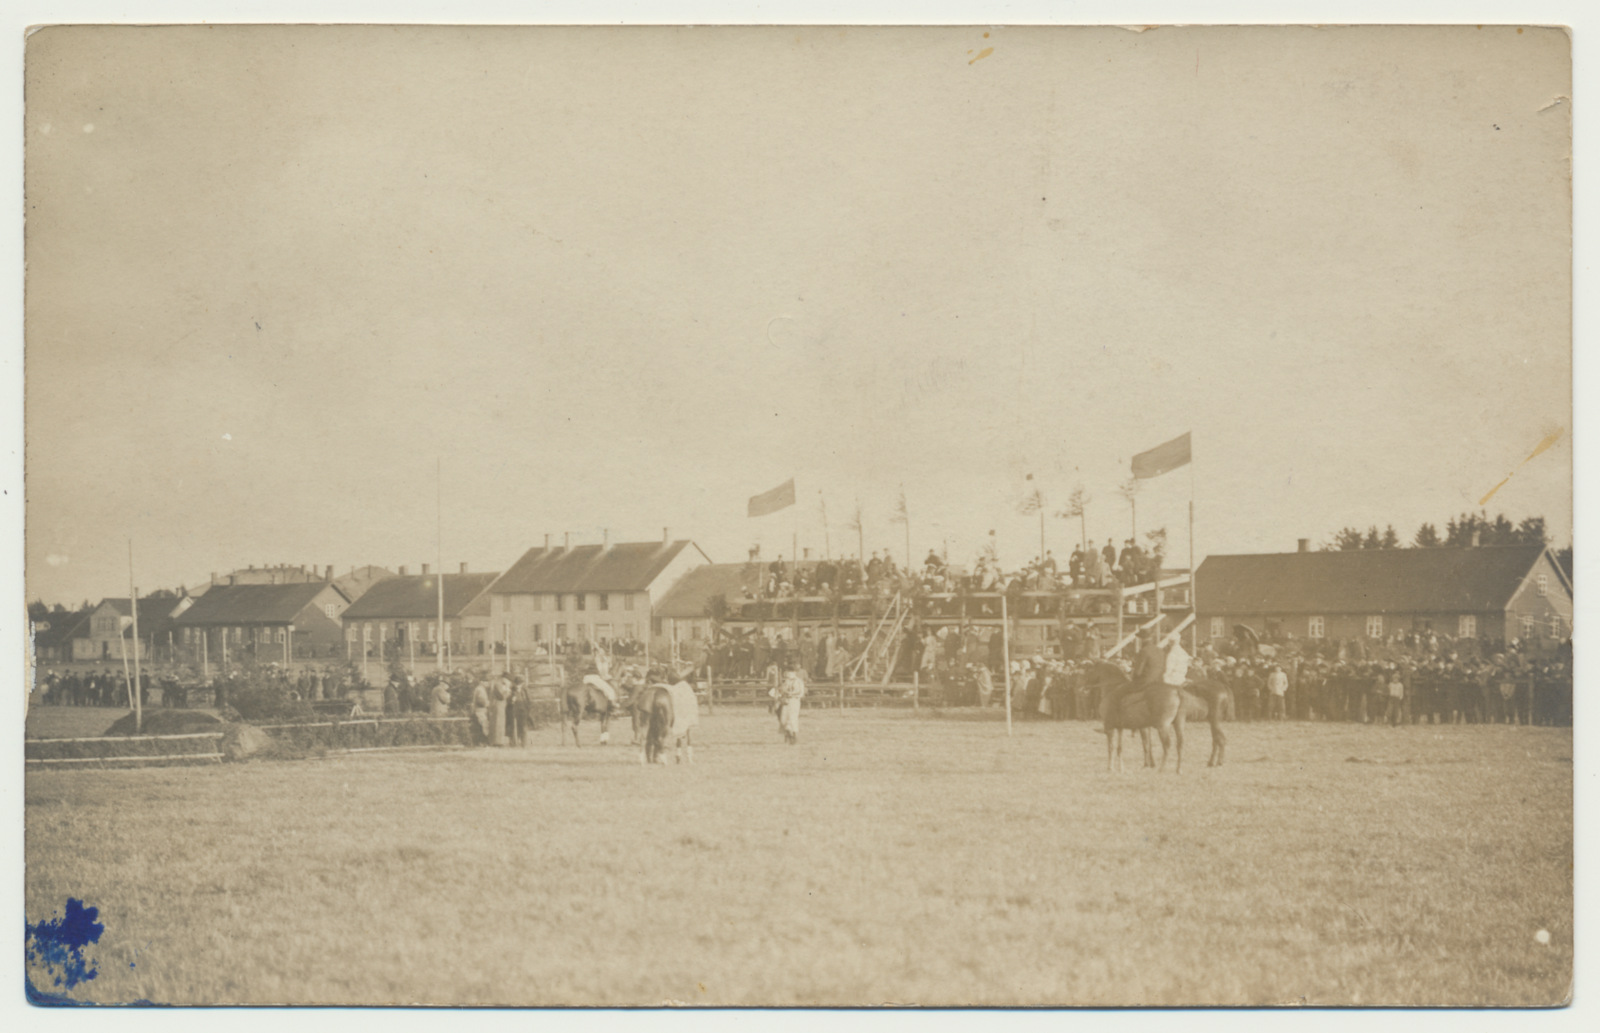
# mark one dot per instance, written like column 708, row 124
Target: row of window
column 580, row 600
column 1466, row 627
column 191, row 636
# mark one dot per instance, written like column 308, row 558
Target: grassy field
column 891, row 857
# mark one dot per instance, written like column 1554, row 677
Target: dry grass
column 891, row 857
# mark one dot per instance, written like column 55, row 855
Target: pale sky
column 626, row 278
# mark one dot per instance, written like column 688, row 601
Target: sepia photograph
column 798, row 516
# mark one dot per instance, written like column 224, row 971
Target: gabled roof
column 690, row 594
column 626, row 567
column 64, row 626
column 417, row 597
column 150, row 606
column 253, row 604
column 1366, row 581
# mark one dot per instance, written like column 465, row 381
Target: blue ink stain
column 58, row 944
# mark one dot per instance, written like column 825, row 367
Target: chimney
column 329, row 576
column 566, row 539
column 424, row 570
column 605, row 538
column 1305, row 544
column 1477, row 537
column 546, row 543
column 666, row 536
column 230, row 580
column 403, row 570
column 806, row 552
column 463, row 568
column 213, row 577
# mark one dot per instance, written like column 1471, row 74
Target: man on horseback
column 1149, row 671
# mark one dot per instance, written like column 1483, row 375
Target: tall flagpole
column 438, row 642
column 1194, row 574
column 827, row 546
column 133, row 603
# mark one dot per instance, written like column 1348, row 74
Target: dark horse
column 1164, row 708
column 583, row 699
column 655, row 714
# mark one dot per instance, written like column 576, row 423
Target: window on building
column 1543, row 581
column 1218, row 627
column 1316, row 627
column 1527, row 627
column 1557, row 627
column 331, row 611
column 538, row 632
column 538, row 602
column 631, row 631
column 583, row 601
column 561, row 601
column 583, row 632
column 433, row 631
column 605, row 600
column 1374, row 627
column 627, row 601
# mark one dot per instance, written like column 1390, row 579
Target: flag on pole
column 781, row 497
column 902, row 515
column 1162, row 459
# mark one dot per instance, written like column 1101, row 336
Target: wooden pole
column 288, row 641
column 411, row 646
column 1005, row 659
column 133, row 605
column 916, row 689
column 205, row 653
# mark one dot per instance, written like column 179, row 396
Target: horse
column 656, row 710
column 582, row 699
column 1164, row 708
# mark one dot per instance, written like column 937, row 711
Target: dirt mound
column 167, row 722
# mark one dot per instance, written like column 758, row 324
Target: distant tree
column 1427, row 537
column 1347, row 538
column 1390, row 539
column 1077, row 509
column 1532, row 531
column 1564, row 558
column 38, row 612
column 1372, row 539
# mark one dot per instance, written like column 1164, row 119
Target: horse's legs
column 1165, row 731
column 1177, row 732
column 688, row 745
column 1108, row 751
column 605, row 729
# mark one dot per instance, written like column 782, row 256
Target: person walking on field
column 1277, row 686
column 786, row 697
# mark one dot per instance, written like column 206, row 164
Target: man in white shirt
column 1277, row 686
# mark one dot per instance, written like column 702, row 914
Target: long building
column 1492, row 592
column 596, row 594
column 399, row 616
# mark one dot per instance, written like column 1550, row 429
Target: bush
column 261, row 698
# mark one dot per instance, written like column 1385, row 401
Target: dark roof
column 64, row 626
column 149, row 606
column 1371, row 581
column 688, row 597
column 626, row 567
column 417, row 597
column 252, row 604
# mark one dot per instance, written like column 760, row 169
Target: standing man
column 1277, row 688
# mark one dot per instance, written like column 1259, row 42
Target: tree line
column 1458, row 533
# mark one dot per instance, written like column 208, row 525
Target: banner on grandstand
column 781, row 497
column 1162, row 459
